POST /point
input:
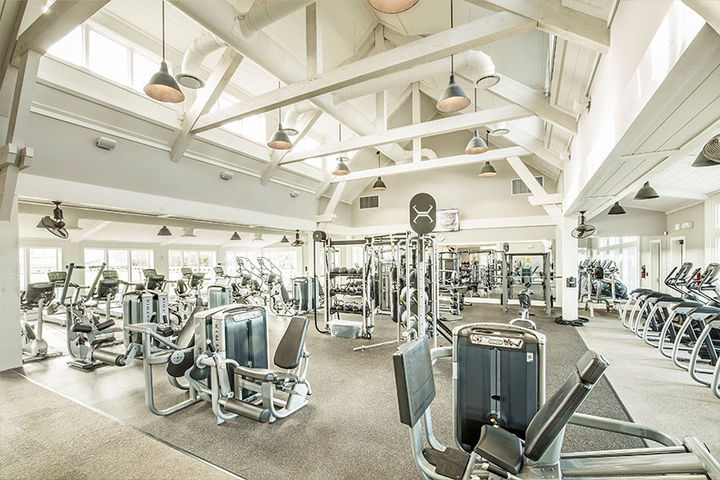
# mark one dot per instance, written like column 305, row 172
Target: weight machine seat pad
column 554, row 415
column 500, row 448
column 292, row 344
column 105, row 325
column 450, row 463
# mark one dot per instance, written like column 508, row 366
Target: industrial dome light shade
column 284, row 239
column 164, row 232
column 392, row 6
column 487, row 171
column 710, row 154
column 280, row 139
column 235, row 237
column 163, row 87
column 476, row 145
column 379, row 185
column 616, row 209
column 453, row 98
column 341, row 168
column 646, row 192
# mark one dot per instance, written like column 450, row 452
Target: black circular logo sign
column 423, row 213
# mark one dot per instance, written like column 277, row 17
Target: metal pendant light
column 392, row 6
column 162, row 86
column 476, row 144
column 487, row 171
column 453, row 98
column 646, row 193
column 235, row 237
column 284, row 239
column 341, row 168
column 280, row 139
column 379, row 185
column 616, row 209
column 709, row 156
column 164, row 232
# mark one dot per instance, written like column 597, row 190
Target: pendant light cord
column 476, row 99
column 279, row 107
column 452, row 24
column 163, row 29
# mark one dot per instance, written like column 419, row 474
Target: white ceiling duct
column 290, row 121
column 219, row 17
column 190, row 75
column 264, row 12
column 472, row 64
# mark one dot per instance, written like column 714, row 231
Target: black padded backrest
column 289, row 350
column 552, row 417
column 414, row 380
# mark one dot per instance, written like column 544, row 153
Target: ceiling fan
column 55, row 224
column 298, row 241
column 583, row 230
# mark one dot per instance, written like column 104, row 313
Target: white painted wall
column 636, row 222
column 694, row 237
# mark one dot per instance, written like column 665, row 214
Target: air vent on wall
column 519, row 187
column 371, row 201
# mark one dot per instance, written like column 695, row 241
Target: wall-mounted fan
column 55, row 224
column 583, row 230
column 298, row 241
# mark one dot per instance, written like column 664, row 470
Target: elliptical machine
column 34, row 346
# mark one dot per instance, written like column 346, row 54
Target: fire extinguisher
column 643, row 271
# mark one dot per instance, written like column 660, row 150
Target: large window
column 35, row 263
column 625, row 252
column 129, row 263
column 200, row 261
column 288, row 260
column 252, row 128
column 107, row 55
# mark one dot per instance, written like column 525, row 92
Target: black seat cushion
column 289, row 350
column 500, row 448
column 450, row 463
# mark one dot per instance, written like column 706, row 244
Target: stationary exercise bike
column 524, row 299
column 34, row 346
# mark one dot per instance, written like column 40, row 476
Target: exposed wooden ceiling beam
column 447, row 162
column 708, row 9
column 552, row 17
column 520, row 94
column 60, row 19
column 409, row 132
column 206, row 98
column 537, row 190
column 16, row 11
column 435, row 47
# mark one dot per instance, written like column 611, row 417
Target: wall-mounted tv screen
column 447, row 220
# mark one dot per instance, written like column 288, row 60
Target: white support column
column 14, row 155
column 416, row 117
column 566, row 265
column 10, row 351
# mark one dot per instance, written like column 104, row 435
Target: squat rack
column 507, row 278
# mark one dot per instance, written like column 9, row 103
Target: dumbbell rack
column 347, row 284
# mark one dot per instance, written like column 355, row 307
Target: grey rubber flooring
column 349, row 430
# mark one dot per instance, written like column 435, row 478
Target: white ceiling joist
column 434, row 47
column 409, row 132
column 206, row 98
column 7, row 42
column 90, row 231
column 552, row 17
column 708, row 9
column 447, row 162
column 60, row 19
column 690, row 147
column 520, row 94
column 549, row 199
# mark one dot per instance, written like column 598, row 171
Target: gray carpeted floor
column 349, row 430
column 46, row 436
